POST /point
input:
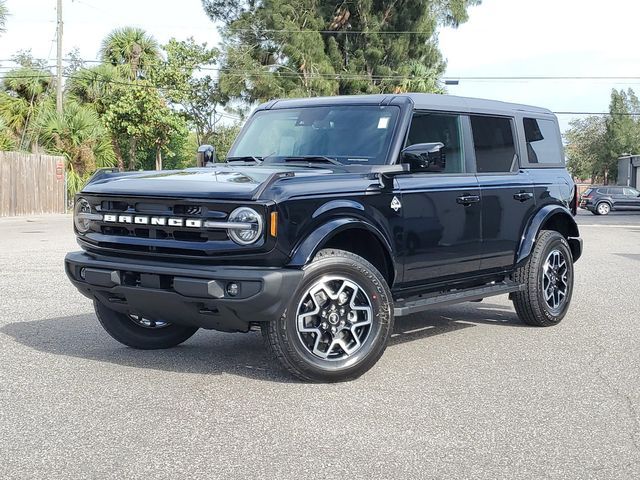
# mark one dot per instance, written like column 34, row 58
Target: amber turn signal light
column 274, row 224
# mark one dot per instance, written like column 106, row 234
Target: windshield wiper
column 247, row 158
column 313, row 159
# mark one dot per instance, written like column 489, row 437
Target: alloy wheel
column 603, row 208
column 334, row 318
column 555, row 280
column 147, row 323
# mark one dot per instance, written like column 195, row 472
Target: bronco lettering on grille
column 153, row 221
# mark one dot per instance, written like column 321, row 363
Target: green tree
column 188, row 86
column 132, row 47
column 138, row 51
column 79, row 136
column 622, row 129
column 22, row 93
column 140, row 116
column 318, row 47
column 586, row 150
column 7, row 140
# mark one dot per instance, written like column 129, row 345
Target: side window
column 630, row 192
column 615, row 191
column 494, row 144
column 543, row 144
column 436, row 127
column 605, row 191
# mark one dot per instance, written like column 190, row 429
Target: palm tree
column 7, row 139
column 4, row 13
column 22, row 92
column 79, row 136
column 132, row 47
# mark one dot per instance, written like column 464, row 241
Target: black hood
column 233, row 182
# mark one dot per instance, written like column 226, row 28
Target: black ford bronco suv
column 330, row 218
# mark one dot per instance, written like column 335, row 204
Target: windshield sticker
column 383, row 123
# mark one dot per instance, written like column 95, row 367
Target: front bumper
column 194, row 295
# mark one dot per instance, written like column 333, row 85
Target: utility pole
column 59, row 61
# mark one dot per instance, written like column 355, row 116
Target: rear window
column 543, row 142
column 494, row 146
column 587, row 191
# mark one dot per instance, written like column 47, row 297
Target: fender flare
column 305, row 250
column 530, row 234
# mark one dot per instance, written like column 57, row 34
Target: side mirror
column 206, row 155
column 425, row 157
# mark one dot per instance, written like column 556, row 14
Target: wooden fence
column 31, row 184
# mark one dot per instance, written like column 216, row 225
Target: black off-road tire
column 530, row 304
column 283, row 340
column 126, row 331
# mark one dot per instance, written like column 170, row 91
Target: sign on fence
column 31, row 184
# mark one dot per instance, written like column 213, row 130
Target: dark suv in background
column 601, row 200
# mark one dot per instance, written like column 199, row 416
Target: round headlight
column 81, row 215
column 254, row 222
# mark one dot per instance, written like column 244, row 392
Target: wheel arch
column 550, row 217
column 351, row 234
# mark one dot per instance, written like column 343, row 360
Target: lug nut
column 334, row 330
column 324, row 325
column 323, row 314
column 343, row 298
column 233, row 289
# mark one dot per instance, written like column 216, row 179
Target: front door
column 506, row 191
column 440, row 207
column 631, row 198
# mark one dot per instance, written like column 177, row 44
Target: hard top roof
column 425, row 101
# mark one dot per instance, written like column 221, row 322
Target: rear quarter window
column 544, row 147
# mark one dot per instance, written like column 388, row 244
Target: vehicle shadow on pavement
column 215, row 353
column 450, row 319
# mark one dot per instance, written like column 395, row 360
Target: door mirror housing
column 425, row 157
column 206, row 155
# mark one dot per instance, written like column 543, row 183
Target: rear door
column 441, row 209
column 618, row 197
column 506, row 191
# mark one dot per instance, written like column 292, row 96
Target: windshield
column 348, row 134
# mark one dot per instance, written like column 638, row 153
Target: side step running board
column 419, row 304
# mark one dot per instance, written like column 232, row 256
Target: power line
column 332, row 32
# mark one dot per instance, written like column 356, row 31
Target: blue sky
column 502, row 38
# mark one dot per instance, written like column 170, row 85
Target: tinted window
column 630, row 192
column 603, row 191
column 588, row 191
column 543, row 144
column 615, row 191
column 494, row 145
column 432, row 128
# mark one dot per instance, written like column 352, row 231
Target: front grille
column 157, row 239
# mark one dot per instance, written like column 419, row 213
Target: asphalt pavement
column 462, row 392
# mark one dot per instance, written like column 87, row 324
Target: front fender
column 313, row 243
column 545, row 214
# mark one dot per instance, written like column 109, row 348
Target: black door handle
column 523, row 196
column 467, row 200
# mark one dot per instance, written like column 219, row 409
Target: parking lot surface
column 462, row 392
